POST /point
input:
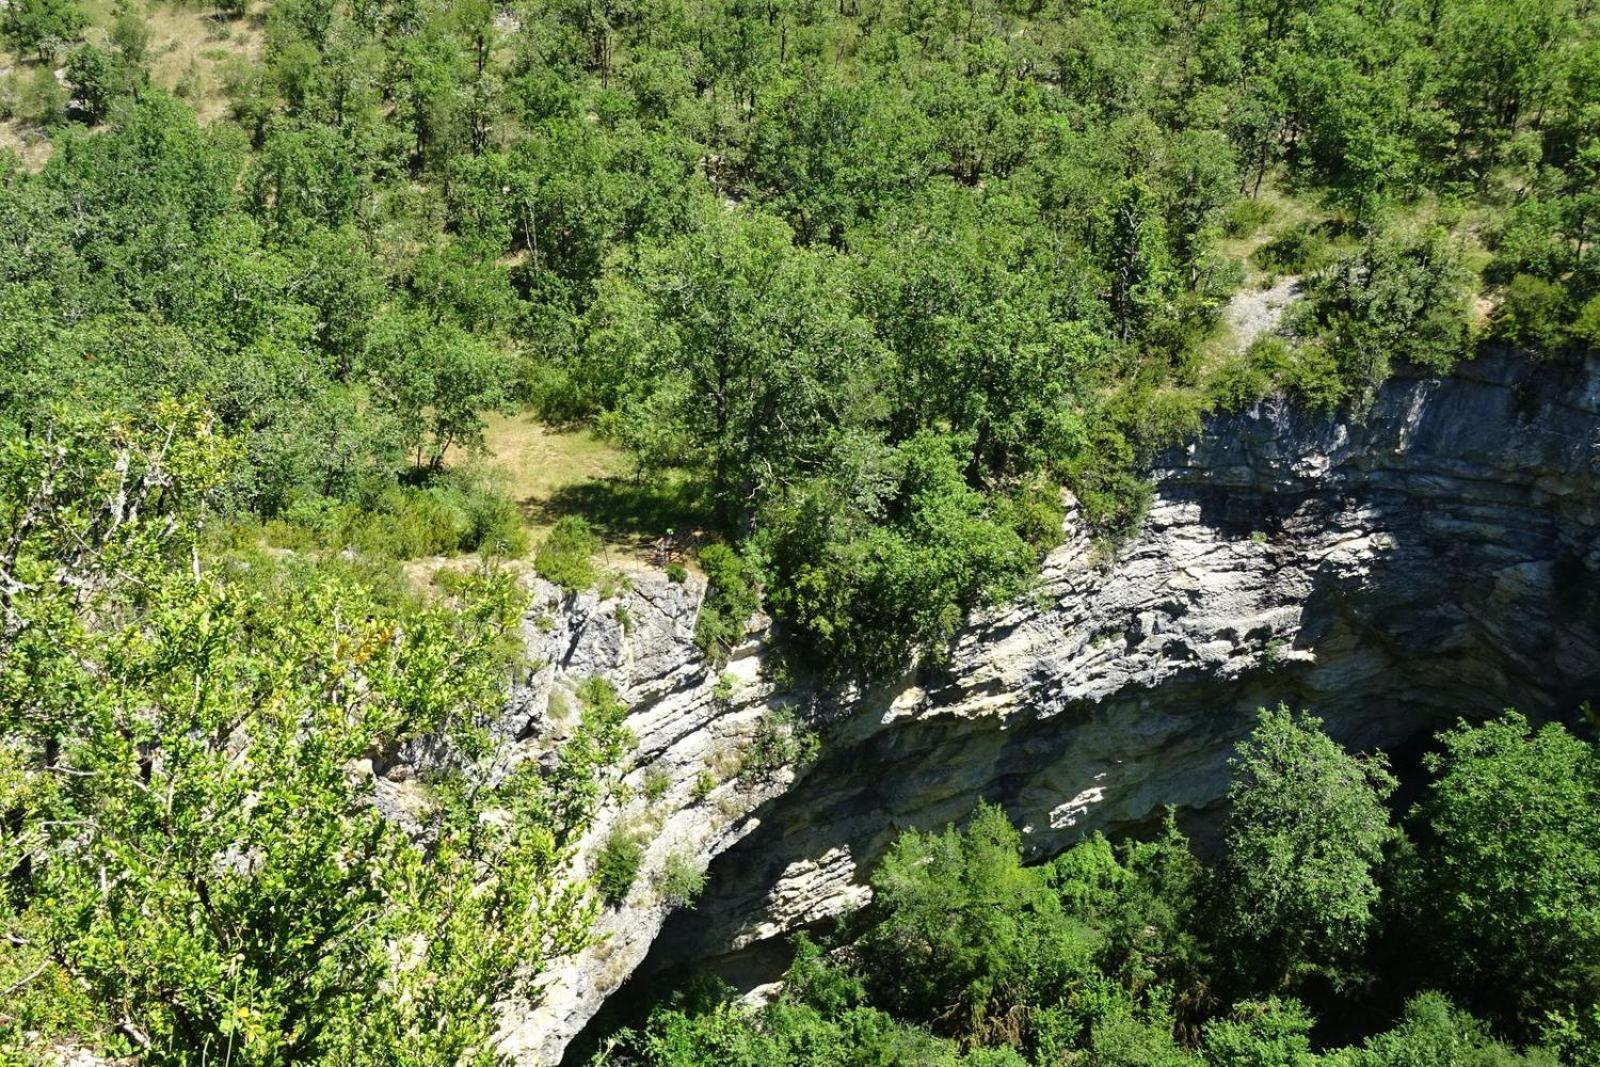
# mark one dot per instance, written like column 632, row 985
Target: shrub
column 1036, row 513
column 493, row 526
column 44, row 100
column 616, row 865
column 677, row 573
column 704, row 783
column 1100, row 474
column 1533, row 315
column 868, row 595
column 780, row 741
column 565, row 556
column 1299, row 250
column 93, row 76
column 1403, row 296
column 656, row 783
column 1244, row 217
column 731, row 598
column 405, row 522
column 41, row 26
column 1586, row 328
column 681, row 880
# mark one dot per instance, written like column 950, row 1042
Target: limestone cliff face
column 1434, row 560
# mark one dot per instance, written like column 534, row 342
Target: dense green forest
column 856, row 284
column 1325, row 934
column 857, row 288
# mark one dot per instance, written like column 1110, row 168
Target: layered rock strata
column 1434, row 559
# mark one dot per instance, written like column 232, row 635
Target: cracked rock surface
column 1434, row 560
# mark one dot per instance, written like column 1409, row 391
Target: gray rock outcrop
column 1436, row 559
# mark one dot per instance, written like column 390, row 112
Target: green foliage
column 203, row 864
column 656, row 783
column 1403, row 295
column 994, row 941
column 776, row 252
column 1306, row 835
column 616, row 864
column 436, row 380
column 566, row 556
column 95, row 85
column 732, row 597
column 1302, row 249
column 780, row 742
column 681, row 880
column 457, row 513
column 1509, row 890
column 1107, row 956
column 1433, row 1033
column 41, row 26
column 1271, row 1033
column 867, row 596
column 1534, row 315
column 1586, row 328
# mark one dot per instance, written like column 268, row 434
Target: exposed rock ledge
column 1437, row 559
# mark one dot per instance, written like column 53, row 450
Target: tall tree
column 1307, row 829
column 1510, row 884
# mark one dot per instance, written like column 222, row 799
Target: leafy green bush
column 656, row 783
column 566, row 555
column 111, row 871
column 1300, row 250
column 732, row 596
column 780, row 741
column 403, row 522
column 868, row 597
column 1586, row 327
column 1238, row 382
column 1401, row 296
column 1534, row 314
column 681, row 880
column 1036, row 512
column 1245, row 216
column 95, row 79
column 616, row 865
column 1104, row 477
column 41, row 26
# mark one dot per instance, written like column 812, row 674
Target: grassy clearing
column 190, row 49
column 550, row 474
column 534, row 463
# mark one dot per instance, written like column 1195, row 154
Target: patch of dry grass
column 536, row 462
column 190, row 49
column 550, row 473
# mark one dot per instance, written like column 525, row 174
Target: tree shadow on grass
column 625, row 511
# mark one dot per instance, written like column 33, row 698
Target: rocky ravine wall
column 1437, row 559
